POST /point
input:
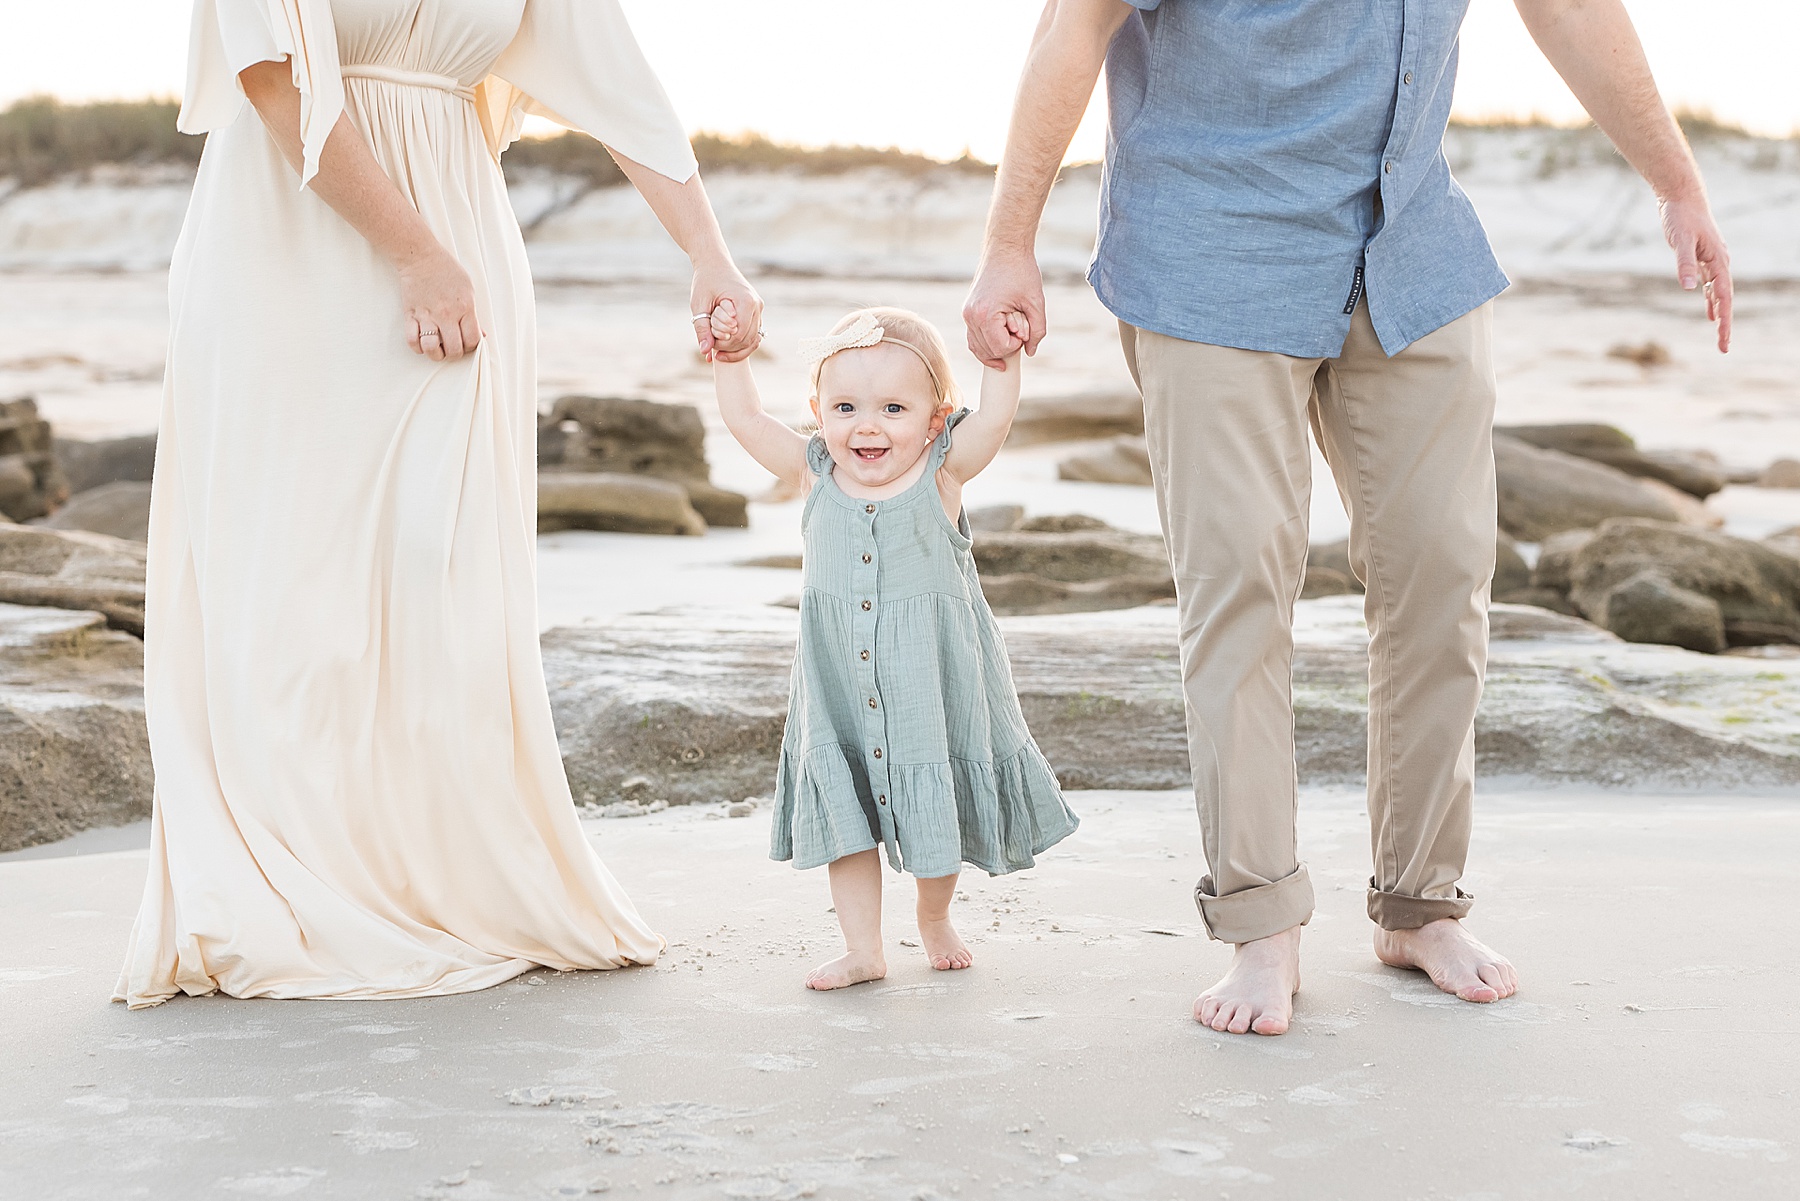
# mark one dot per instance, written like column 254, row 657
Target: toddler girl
column 903, row 729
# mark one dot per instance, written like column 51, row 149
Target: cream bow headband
column 864, row 331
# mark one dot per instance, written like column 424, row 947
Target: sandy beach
column 1650, row 1054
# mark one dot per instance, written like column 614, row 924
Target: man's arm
column 1066, row 55
column 1594, row 47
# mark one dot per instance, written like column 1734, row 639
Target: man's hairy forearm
column 1594, row 47
column 1066, row 54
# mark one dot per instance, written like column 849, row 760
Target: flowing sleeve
column 577, row 63
column 230, row 35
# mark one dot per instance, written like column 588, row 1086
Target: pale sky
column 934, row 75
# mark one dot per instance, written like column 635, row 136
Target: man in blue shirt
column 1284, row 246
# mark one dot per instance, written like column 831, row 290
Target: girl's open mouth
column 869, row 454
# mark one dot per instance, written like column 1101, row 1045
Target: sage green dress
column 903, row 727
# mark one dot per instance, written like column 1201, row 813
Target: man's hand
column 1005, row 309
column 1701, row 259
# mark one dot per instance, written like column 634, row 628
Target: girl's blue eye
column 894, row 408
column 844, row 406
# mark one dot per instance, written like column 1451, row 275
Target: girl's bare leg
column 942, row 945
column 856, row 891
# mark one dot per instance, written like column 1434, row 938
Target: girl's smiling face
column 878, row 412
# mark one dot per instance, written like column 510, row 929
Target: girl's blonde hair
column 907, row 328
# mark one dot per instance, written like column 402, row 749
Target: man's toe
column 1499, row 977
column 1477, row 991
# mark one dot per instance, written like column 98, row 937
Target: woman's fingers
column 453, row 339
column 412, row 333
column 471, row 332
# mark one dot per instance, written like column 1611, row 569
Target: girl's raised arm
column 979, row 435
column 779, row 449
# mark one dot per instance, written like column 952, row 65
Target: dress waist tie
column 409, row 79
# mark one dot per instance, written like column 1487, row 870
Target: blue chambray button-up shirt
column 1271, row 162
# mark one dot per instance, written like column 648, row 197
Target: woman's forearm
column 683, row 209
column 349, row 179
column 687, row 214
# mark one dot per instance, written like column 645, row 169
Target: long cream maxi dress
column 358, row 788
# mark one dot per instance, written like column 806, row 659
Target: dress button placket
column 865, row 587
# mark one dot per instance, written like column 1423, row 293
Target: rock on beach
column 74, row 752
column 694, row 702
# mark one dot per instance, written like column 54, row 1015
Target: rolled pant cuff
column 1397, row 911
column 1258, row 912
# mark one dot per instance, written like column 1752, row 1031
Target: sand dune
column 1555, row 201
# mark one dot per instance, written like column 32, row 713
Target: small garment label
column 1355, row 291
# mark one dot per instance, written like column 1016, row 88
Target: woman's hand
column 717, row 281
column 439, row 302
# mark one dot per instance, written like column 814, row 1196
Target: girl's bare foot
column 1257, row 994
column 852, row 967
column 1455, row 960
column 943, row 946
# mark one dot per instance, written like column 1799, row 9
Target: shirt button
column 1387, row 168
column 865, row 656
column 878, row 752
column 1406, row 78
column 868, row 508
column 866, row 606
column 867, row 557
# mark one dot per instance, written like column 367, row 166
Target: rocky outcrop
column 618, row 436
column 630, row 504
column 118, row 510
column 1124, row 460
column 1663, row 573
column 73, row 749
column 1545, row 492
column 1782, row 473
column 1071, row 564
column 1647, row 607
column 1077, row 417
column 90, row 464
column 31, row 481
column 73, row 569
column 1695, row 472
column 693, row 703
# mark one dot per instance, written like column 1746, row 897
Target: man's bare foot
column 1257, row 994
column 852, row 967
column 1454, row 959
column 943, row 947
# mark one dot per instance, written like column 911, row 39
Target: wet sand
column 1651, row 1053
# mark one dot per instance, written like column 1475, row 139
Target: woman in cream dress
column 358, row 788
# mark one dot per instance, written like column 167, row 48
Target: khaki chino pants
column 1409, row 440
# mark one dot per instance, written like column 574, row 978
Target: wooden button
column 883, row 798
column 878, row 752
column 866, row 606
column 868, row 508
column 871, row 702
column 865, row 656
column 867, row 557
